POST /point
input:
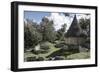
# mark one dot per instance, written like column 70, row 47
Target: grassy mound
column 82, row 55
column 43, row 55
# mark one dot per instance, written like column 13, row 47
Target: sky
column 35, row 16
column 58, row 18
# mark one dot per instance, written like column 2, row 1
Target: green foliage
column 44, row 51
column 84, row 23
column 48, row 32
column 44, row 46
column 36, row 52
column 73, row 48
column 69, row 48
column 31, row 59
column 61, row 32
column 51, row 42
column 35, row 59
column 31, row 36
column 59, row 45
column 65, row 48
column 40, row 59
column 27, row 38
column 86, row 43
column 59, row 52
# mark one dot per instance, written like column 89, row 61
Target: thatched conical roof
column 75, row 29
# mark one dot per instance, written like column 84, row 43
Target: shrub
column 86, row 45
column 73, row 48
column 58, row 58
column 40, row 59
column 65, row 48
column 44, row 46
column 59, row 45
column 36, row 52
column 31, row 59
column 44, row 51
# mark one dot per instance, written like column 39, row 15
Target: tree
column 61, row 32
column 27, row 38
column 31, row 36
column 85, row 25
column 47, row 30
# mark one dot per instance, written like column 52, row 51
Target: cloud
column 38, row 22
column 59, row 19
column 79, row 16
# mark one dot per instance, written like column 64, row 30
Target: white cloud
column 79, row 16
column 59, row 19
column 34, row 20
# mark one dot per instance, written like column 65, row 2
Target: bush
column 40, row 59
column 44, row 51
column 58, row 58
column 44, row 46
column 73, row 48
column 36, row 52
column 58, row 53
column 86, row 45
column 60, row 45
column 31, row 58
column 31, row 37
column 65, row 48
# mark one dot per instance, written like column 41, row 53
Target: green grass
column 57, row 51
column 82, row 55
column 51, row 50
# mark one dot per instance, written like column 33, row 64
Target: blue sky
column 58, row 18
column 35, row 16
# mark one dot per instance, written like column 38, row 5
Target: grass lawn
column 81, row 55
column 51, row 50
column 54, row 50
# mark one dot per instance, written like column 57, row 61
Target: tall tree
column 85, row 25
column 47, row 29
column 31, row 36
column 61, row 32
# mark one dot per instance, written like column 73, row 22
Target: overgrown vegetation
column 42, row 42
